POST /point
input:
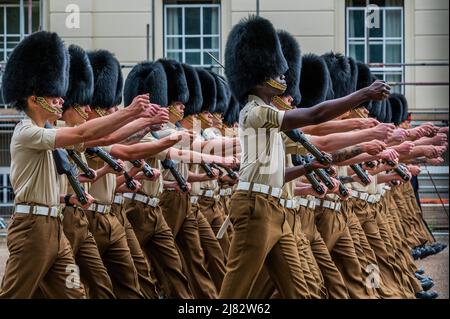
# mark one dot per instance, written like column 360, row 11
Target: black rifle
column 370, row 164
column 80, row 163
column 146, row 169
column 361, row 173
column 230, row 172
column 111, row 161
column 63, row 167
column 325, row 178
column 208, row 170
column 299, row 137
column 297, row 160
column 171, row 166
column 399, row 170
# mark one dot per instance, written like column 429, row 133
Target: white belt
column 303, row 202
column 37, row 210
column 152, row 201
column 259, row 188
column 374, row 198
column 226, row 191
column 289, row 203
column 328, row 204
column 99, row 208
column 360, row 195
column 208, row 193
column 312, row 204
column 386, row 187
column 194, row 200
column 118, row 199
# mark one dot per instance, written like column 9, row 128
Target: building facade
column 401, row 31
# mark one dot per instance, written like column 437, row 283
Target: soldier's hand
column 179, row 190
column 141, row 106
column 399, row 135
column 365, row 123
column 82, row 178
column 389, row 155
column 160, row 117
column 435, row 161
column 431, row 152
column 378, row 90
column 443, row 130
column 374, row 147
column 312, row 191
column 383, row 131
column 405, row 148
column 74, row 200
column 414, row 170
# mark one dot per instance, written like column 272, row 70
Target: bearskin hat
column 223, row 94
column 231, row 116
column 252, row 56
column 209, row 90
column 343, row 73
column 176, row 81
column 314, row 81
column 39, row 65
column 397, row 108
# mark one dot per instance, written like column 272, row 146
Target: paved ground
column 436, row 266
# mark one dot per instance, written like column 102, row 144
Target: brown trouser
column 40, row 256
column 264, row 288
column 213, row 252
column 366, row 256
column 333, row 281
column 156, row 240
column 146, row 282
column 415, row 234
column 261, row 237
column 113, row 247
column 176, row 209
column 87, row 257
column 214, row 214
column 397, row 253
column 333, row 228
column 389, row 272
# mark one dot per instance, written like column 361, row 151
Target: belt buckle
column 338, row 207
column 312, row 204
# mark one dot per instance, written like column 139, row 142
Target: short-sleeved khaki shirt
column 103, row 189
column 33, row 172
column 263, row 153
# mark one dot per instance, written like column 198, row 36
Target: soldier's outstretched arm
column 96, row 128
column 331, row 109
column 340, row 126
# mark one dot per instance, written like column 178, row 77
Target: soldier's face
column 276, row 91
column 50, row 106
column 73, row 117
column 208, row 119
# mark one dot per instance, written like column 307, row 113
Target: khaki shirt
column 33, row 172
column 183, row 168
column 103, row 189
column 291, row 148
column 263, row 154
column 371, row 188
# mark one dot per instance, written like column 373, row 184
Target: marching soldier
column 35, row 80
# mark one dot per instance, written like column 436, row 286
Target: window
column 6, row 191
column 191, row 31
column 382, row 44
column 10, row 27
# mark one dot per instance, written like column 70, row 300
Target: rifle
column 111, row 161
column 63, row 167
column 325, row 178
column 361, row 173
column 299, row 137
column 80, row 163
column 171, row 166
column 399, row 170
column 297, row 160
column 230, row 172
column 147, row 169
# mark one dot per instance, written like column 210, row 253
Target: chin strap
column 46, row 106
column 175, row 113
column 280, row 103
column 80, row 111
column 203, row 120
column 100, row 112
column 276, row 85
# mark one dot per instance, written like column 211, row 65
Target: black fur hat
column 81, row 79
column 147, row 77
column 209, row 90
column 293, row 55
column 223, row 94
column 397, row 108
column 231, row 116
column 364, row 76
column 194, row 105
column 375, row 109
column 252, row 55
column 343, row 73
column 176, row 81
column 39, row 65
column 314, row 81
column 405, row 111
column 388, row 115
column 108, row 79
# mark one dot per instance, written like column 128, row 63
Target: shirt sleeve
column 265, row 117
column 35, row 137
